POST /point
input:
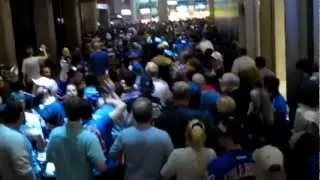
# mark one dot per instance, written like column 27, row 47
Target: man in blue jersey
column 236, row 163
column 48, row 107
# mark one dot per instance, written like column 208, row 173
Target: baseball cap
column 268, row 156
column 46, row 83
column 91, row 95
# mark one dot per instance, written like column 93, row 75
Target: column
column 163, row 10
column 7, row 46
column 211, row 8
column 316, row 30
column 294, row 50
column 267, row 32
column 279, row 42
column 134, row 11
column 72, row 21
column 44, row 25
column 89, row 15
column 252, row 27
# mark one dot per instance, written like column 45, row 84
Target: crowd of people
column 156, row 101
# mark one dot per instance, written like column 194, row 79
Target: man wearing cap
column 236, row 163
column 49, row 108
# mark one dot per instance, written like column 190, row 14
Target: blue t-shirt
column 281, row 110
column 74, row 152
column 209, row 100
column 98, row 62
column 232, row 165
column 101, row 124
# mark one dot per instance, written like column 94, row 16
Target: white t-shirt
column 31, row 67
column 188, row 164
column 33, row 123
column 161, row 90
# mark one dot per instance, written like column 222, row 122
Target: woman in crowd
column 190, row 163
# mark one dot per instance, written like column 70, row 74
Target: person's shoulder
column 58, row 132
column 14, row 136
column 160, row 133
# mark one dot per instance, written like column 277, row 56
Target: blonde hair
column 226, row 105
column 66, row 52
column 195, row 134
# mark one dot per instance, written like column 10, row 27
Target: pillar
column 72, row 21
column 44, row 25
column 252, row 27
column 7, row 46
column 267, row 32
column 211, row 8
column 163, row 10
column 134, row 11
column 316, row 30
column 89, row 15
column 295, row 44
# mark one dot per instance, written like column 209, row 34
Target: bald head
column 142, row 110
column 152, row 69
column 198, row 79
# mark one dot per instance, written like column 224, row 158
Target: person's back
column 145, row 148
column 145, row 151
column 74, row 150
column 98, row 62
column 190, row 163
column 31, row 67
column 68, row 151
column 13, row 152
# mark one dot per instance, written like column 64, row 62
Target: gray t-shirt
column 145, row 152
column 15, row 160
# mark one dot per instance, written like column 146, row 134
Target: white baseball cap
column 268, row 156
column 46, row 82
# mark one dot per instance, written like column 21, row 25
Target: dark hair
column 12, row 111
column 29, row 51
column 86, row 110
column 53, row 121
column 271, row 83
column 260, row 62
column 142, row 110
column 73, row 105
column 92, row 80
column 305, row 65
column 233, row 130
column 243, row 51
column 129, row 78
